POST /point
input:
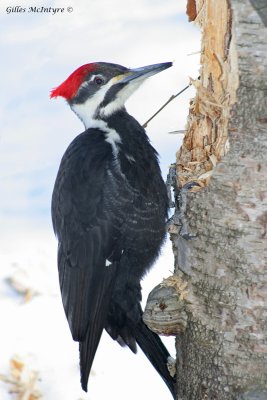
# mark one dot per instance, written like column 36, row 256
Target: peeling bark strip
column 216, row 93
column 222, row 352
column 222, row 334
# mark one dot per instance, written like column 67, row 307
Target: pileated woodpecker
column 109, row 208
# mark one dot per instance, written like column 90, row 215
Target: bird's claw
column 179, row 217
column 189, row 185
column 182, row 203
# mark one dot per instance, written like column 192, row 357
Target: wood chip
column 22, row 381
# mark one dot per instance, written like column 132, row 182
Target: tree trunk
column 221, row 275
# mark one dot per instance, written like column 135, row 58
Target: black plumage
column 109, row 209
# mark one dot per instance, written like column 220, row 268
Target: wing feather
column 84, row 232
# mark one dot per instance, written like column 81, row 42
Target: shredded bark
column 206, row 138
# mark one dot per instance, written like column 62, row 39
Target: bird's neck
column 121, row 130
column 94, row 110
column 86, row 112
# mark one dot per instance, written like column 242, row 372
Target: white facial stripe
column 92, row 78
column 119, row 102
column 87, row 110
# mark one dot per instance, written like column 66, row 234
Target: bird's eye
column 98, row 80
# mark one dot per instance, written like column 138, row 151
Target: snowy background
column 39, row 50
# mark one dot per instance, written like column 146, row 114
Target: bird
column 109, row 213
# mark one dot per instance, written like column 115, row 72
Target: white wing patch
column 108, row 263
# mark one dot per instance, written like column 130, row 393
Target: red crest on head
column 70, row 86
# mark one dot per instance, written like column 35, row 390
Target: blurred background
column 39, row 50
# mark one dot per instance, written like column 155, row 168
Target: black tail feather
column 87, row 353
column 156, row 352
column 95, row 328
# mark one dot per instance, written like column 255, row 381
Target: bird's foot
column 179, row 218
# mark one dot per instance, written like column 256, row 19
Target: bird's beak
column 144, row 72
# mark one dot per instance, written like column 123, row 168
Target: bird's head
column 95, row 91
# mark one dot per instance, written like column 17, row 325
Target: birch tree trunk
column 221, row 275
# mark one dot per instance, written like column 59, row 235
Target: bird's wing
column 85, row 234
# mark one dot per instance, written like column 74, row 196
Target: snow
column 37, row 331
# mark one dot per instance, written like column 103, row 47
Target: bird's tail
column 156, row 352
column 95, row 328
